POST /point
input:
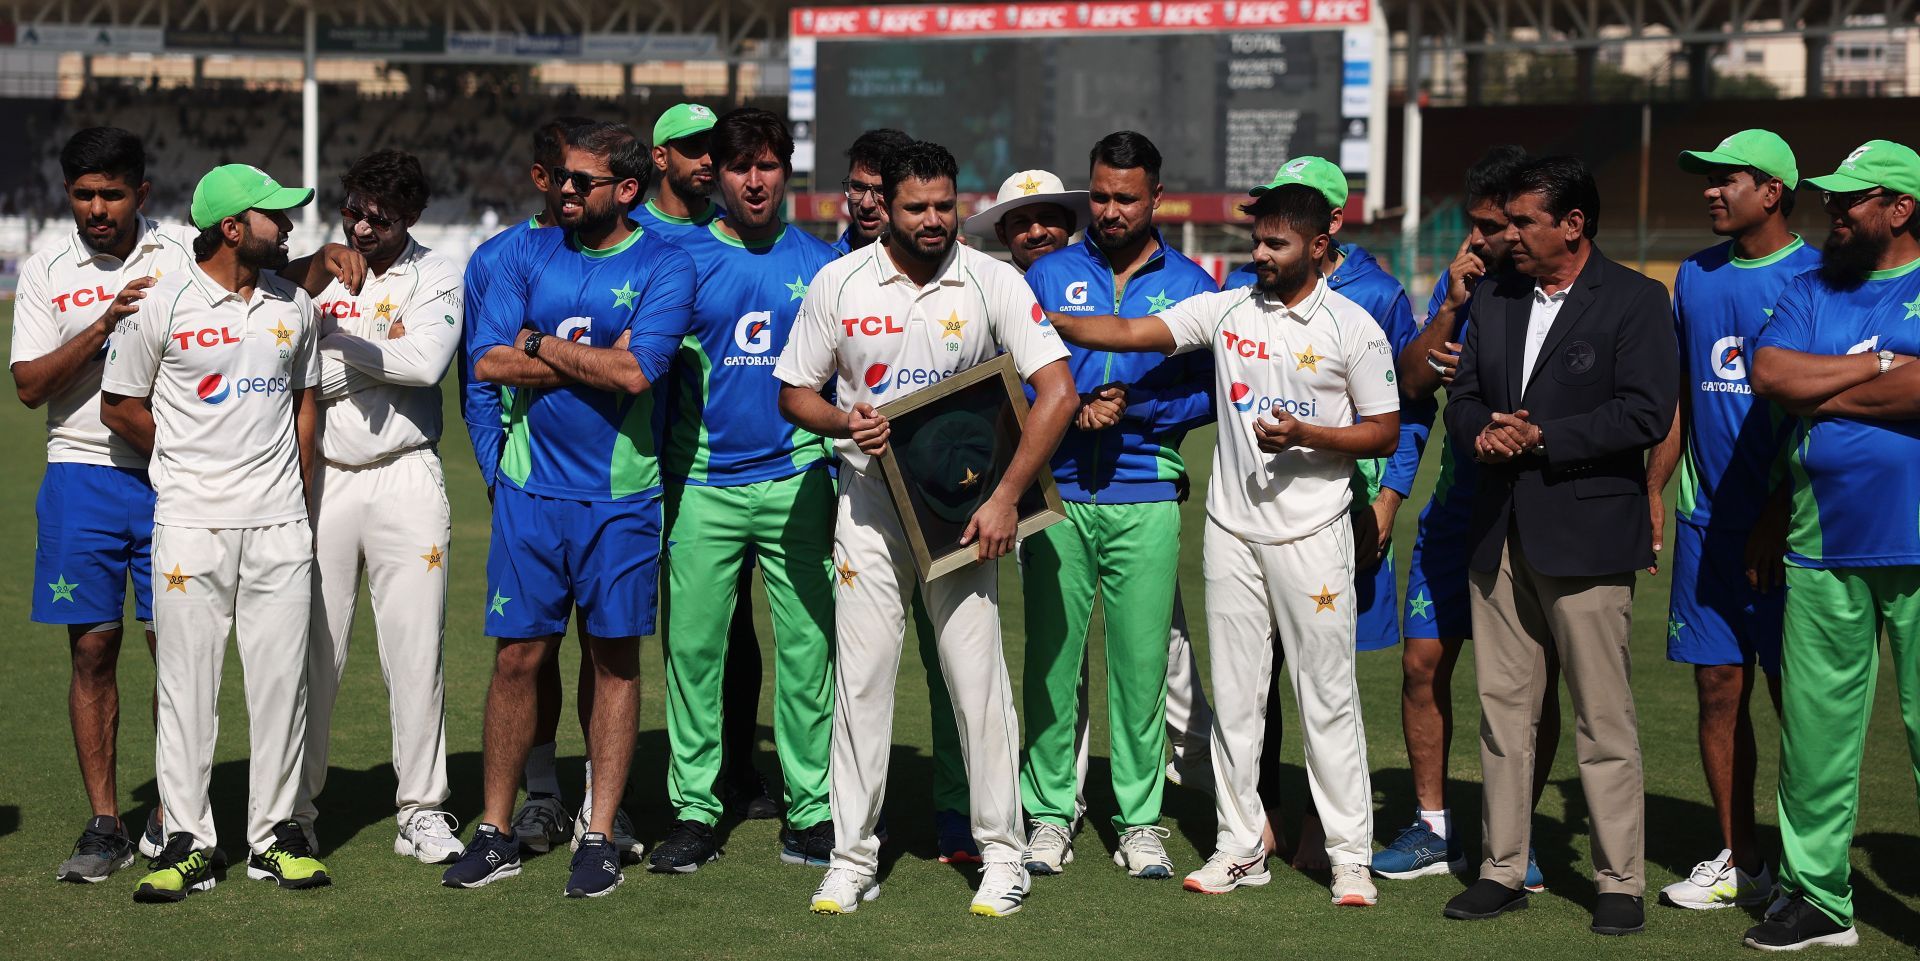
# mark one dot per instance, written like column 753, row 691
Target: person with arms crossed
column 1303, row 387
column 912, row 311
column 1725, row 446
column 215, row 379
column 381, row 507
column 1838, row 355
column 739, row 485
column 581, row 322
column 1121, row 476
column 1567, row 376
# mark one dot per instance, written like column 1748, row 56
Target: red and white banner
column 1139, row 16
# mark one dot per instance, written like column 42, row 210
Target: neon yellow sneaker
column 289, row 862
column 179, row 871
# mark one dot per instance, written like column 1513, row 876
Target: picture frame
column 950, row 444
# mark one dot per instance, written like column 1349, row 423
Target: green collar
column 574, row 242
column 1772, row 258
column 732, row 241
column 665, row 217
column 1892, row 272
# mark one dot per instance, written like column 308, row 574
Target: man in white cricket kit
column 1303, row 386
column 885, row 321
column 381, row 500
column 215, row 377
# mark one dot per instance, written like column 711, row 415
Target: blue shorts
column 1715, row 616
column 1378, row 625
column 1437, row 577
column 95, row 531
column 550, row 555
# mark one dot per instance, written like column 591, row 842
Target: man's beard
column 597, row 219
column 108, row 245
column 909, row 244
column 683, row 186
column 260, row 253
column 1126, row 240
column 1286, row 281
column 1845, row 265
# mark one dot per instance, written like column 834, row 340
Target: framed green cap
column 1876, row 163
column 237, row 188
column 1316, row 172
column 682, row 120
column 1763, row 150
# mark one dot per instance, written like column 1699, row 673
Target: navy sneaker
column 490, row 856
column 811, row 846
column 596, row 867
column 1418, row 852
column 956, row 838
column 1535, row 882
column 688, row 845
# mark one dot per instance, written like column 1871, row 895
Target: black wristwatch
column 532, row 346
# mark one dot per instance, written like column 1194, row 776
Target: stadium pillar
column 1476, row 77
column 1699, row 71
column 1411, row 136
column 1585, row 61
column 1816, row 46
column 310, row 125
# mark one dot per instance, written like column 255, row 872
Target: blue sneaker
column 490, row 856
column 956, row 838
column 1535, row 882
column 1417, row 853
column 596, row 868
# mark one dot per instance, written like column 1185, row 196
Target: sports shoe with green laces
column 181, row 869
column 289, row 862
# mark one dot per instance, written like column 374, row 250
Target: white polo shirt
column 221, row 372
column 885, row 336
column 63, row 290
column 381, row 397
column 1325, row 362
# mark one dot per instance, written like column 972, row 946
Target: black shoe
column 1619, row 914
column 596, row 868
column 1485, row 899
column 688, row 845
column 746, row 797
column 1799, row 925
column 809, row 846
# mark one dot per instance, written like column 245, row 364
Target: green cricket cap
column 236, row 188
column 1316, row 172
column 682, row 120
column 1876, row 163
column 1763, row 150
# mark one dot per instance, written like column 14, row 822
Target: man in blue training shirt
column 1725, row 446
column 682, row 205
column 582, row 322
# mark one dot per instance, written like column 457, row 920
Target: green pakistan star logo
column 797, row 289
column 62, row 590
column 1421, row 604
column 1674, row 627
column 1159, row 302
column 625, row 295
column 499, row 604
column 1913, row 307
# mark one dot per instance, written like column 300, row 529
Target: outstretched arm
column 1114, row 333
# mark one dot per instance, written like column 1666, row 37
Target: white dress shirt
column 1540, row 320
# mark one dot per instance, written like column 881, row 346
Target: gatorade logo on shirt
column 1076, row 294
column 753, row 336
column 1728, row 361
column 576, row 329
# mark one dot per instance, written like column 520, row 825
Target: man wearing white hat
column 1033, row 215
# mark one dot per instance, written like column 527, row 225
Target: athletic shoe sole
column 77, row 877
column 1518, row 904
column 788, row 857
column 498, row 874
column 618, row 880
column 989, row 911
column 829, row 906
column 1425, row 870
column 1839, row 939
column 262, row 874
column 1356, row 901
column 962, row 857
column 406, row 848
column 1250, row 881
column 659, row 868
column 1614, row 932
column 147, row 895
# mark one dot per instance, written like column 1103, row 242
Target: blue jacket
column 1138, row 460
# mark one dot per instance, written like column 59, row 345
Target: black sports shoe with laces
column 811, row 846
column 103, row 848
column 1797, row 925
column 688, row 845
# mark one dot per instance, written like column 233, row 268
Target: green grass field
column 749, row 905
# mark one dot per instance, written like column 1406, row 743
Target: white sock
column 1437, row 821
column 539, row 772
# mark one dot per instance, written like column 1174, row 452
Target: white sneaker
column 623, row 838
column 1049, row 847
column 1352, row 888
column 542, row 824
column 428, row 837
column 1003, row 890
column 842, row 890
column 1718, row 884
column 1224, row 872
column 153, row 840
column 1142, row 854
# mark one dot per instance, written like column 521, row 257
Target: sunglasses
column 583, row 182
column 1834, row 201
column 351, row 216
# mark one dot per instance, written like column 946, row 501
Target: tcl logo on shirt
column 872, row 326
column 1237, row 344
column 205, row 337
column 340, row 309
column 83, row 297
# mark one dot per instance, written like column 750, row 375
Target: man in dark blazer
column 1569, row 373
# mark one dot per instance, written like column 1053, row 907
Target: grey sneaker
column 1142, row 854
column 103, row 848
column 1049, row 848
column 623, row 840
column 542, row 824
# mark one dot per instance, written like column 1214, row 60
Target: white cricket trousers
column 255, row 581
column 390, row 520
column 1301, row 592
column 875, row 575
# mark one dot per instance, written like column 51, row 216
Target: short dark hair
column 920, row 160
column 1564, row 185
column 207, row 241
column 393, row 178
column 1299, row 206
column 628, row 157
column 1127, row 150
column 1787, row 193
column 108, row 151
column 550, row 139
column 744, row 132
column 875, row 148
column 1491, row 176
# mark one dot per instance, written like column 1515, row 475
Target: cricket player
column 1725, row 446
column 866, row 209
column 887, row 320
column 682, row 205
column 743, row 485
column 1303, row 388
column 581, row 322
column 382, row 502
column 1121, row 475
column 215, row 377
column 1838, row 354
